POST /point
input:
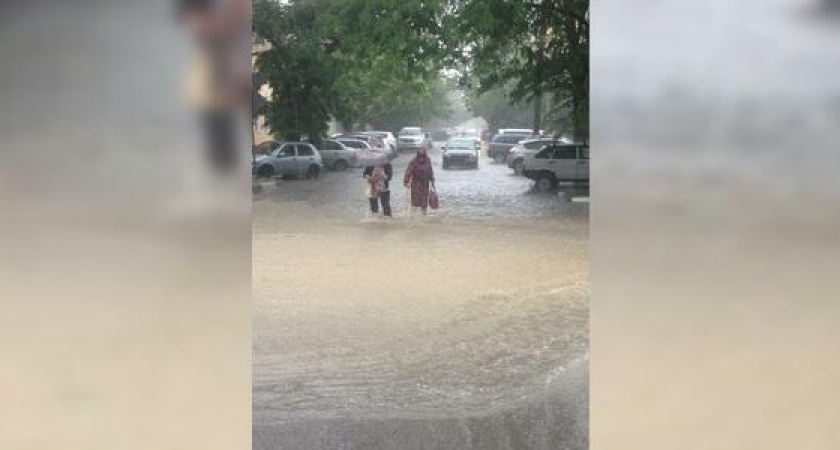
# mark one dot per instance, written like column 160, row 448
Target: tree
column 497, row 108
column 541, row 47
column 359, row 61
column 300, row 75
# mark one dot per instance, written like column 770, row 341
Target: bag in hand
column 434, row 202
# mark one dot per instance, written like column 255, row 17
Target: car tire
column 518, row 167
column 340, row 165
column 312, row 173
column 265, row 172
column 545, row 183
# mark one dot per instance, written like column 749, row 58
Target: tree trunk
column 578, row 38
column 537, row 113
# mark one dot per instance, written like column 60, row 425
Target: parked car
column 336, row 155
column 265, row 148
column 555, row 163
column 386, row 136
column 354, row 143
column 412, row 138
column 374, row 142
column 502, row 143
column 296, row 159
column 461, row 151
column 517, row 153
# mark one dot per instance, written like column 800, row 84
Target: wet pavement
column 491, row 191
column 463, row 329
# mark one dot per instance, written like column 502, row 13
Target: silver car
column 297, row 159
column 386, row 136
column 356, row 144
column 336, row 155
column 461, row 152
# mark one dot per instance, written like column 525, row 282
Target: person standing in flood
column 418, row 177
column 379, row 190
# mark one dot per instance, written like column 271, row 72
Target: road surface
column 463, row 329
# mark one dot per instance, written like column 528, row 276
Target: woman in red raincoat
column 418, row 176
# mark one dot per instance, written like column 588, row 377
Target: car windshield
column 411, row 132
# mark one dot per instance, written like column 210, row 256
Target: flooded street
column 464, row 329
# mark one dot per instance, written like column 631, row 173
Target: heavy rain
column 385, row 319
column 475, row 313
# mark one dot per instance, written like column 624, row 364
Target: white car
column 555, row 163
column 356, row 144
column 375, row 142
column 297, row 159
column 412, row 138
column 516, row 155
column 336, row 155
column 386, row 136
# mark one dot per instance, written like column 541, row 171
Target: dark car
column 502, row 143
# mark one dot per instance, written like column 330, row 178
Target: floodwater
column 464, row 329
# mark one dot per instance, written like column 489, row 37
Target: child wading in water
column 378, row 188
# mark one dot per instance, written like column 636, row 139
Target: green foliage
column 538, row 47
column 378, row 62
column 496, row 107
column 300, row 75
column 359, row 61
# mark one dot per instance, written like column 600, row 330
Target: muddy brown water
column 467, row 328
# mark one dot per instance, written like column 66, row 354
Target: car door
column 564, row 162
column 305, row 157
column 287, row 160
column 582, row 172
column 541, row 160
column 339, row 151
column 329, row 152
